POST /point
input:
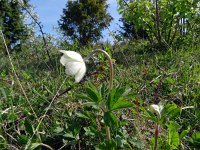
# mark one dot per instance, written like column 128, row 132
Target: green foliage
column 173, row 136
column 170, row 111
column 12, row 24
column 165, row 21
column 106, row 102
column 116, row 99
column 78, row 118
column 129, row 31
column 196, row 139
column 109, row 145
column 84, row 20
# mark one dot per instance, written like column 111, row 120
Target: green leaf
column 116, row 99
column 148, row 114
column 103, row 90
column 69, row 135
column 28, row 127
column 170, row 111
column 93, row 93
column 173, row 136
column 83, row 97
column 121, row 105
column 107, row 145
column 119, row 93
column 173, row 139
column 196, row 139
column 83, row 115
column 12, row 116
column 110, row 100
column 34, row 146
column 110, row 119
column 184, row 133
column 91, row 104
column 22, row 139
column 170, row 80
column 196, row 135
column 90, row 131
column 58, row 130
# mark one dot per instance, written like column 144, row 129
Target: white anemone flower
column 74, row 64
column 156, row 108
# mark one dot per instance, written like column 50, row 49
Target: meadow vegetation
column 72, row 121
column 153, row 104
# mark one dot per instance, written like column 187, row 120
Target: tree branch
column 40, row 29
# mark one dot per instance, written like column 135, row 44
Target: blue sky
column 49, row 12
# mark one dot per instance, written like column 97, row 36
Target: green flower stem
column 108, row 133
column 111, row 78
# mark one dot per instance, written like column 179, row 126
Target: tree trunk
column 158, row 22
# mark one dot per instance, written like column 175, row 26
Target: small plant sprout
column 74, row 64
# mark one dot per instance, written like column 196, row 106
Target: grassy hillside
column 42, row 107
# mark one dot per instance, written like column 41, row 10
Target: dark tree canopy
column 128, row 30
column 84, row 20
column 12, row 23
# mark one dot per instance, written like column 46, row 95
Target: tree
column 128, row 30
column 11, row 23
column 166, row 21
column 84, row 20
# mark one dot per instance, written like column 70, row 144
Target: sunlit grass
column 171, row 76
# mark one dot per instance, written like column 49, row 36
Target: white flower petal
column 63, row 60
column 73, row 67
column 80, row 74
column 74, row 64
column 155, row 108
column 71, row 55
